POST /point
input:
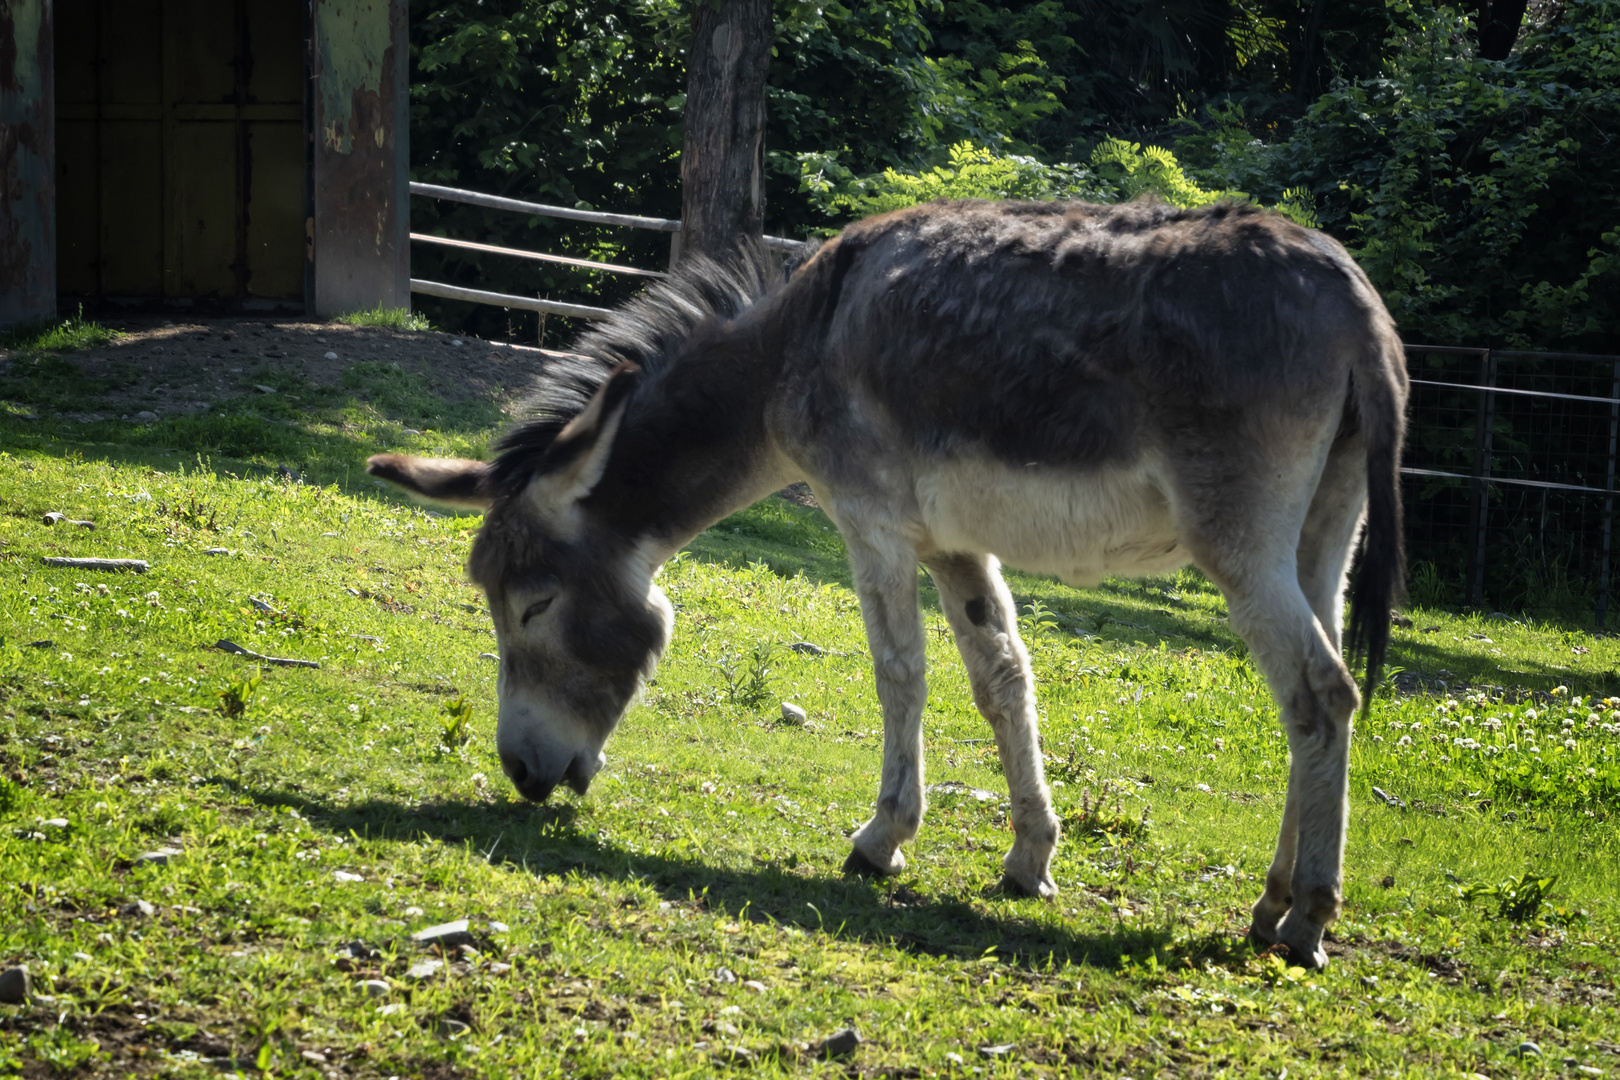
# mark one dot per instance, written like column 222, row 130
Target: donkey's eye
column 536, row 608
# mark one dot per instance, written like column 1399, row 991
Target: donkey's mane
column 647, row 331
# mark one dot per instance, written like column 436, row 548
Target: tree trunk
column 723, row 163
column 1499, row 22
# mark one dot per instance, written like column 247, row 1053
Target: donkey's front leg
column 885, row 569
column 985, row 623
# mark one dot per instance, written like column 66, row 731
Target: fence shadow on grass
column 815, row 899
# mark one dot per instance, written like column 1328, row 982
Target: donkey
column 1077, row 390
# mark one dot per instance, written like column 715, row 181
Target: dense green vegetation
column 1481, row 195
column 688, row 915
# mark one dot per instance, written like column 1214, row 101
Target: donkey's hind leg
column 982, row 617
column 1323, row 563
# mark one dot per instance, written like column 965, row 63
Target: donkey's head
column 578, row 620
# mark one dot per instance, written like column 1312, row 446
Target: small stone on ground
column 841, row 1043
column 448, row 934
column 16, row 985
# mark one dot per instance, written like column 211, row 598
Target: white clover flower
column 1530, row 714
column 1377, row 738
column 1406, row 740
column 354, row 708
column 1569, row 722
column 1569, row 744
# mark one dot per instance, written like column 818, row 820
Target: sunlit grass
column 325, row 807
column 393, row 318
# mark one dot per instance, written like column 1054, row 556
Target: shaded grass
column 57, row 335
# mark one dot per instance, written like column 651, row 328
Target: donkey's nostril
column 515, row 770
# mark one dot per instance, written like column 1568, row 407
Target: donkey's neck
column 694, row 445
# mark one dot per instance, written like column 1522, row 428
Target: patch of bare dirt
column 170, row 366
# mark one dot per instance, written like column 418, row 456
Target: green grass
column 394, row 318
column 57, row 335
column 687, row 917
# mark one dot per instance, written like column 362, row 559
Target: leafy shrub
column 1117, row 171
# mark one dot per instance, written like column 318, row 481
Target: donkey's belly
column 1081, row 526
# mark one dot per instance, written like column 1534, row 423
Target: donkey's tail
column 1378, row 384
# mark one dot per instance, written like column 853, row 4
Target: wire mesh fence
column 1509, row 479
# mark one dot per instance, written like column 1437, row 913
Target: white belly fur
column 1080, row 526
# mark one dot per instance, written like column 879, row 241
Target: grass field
column 210, row 863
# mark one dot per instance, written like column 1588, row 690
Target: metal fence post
column 1479, row 513
column 1608, row 500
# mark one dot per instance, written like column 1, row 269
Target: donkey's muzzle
column 538, row 789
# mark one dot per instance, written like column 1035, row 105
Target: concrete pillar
column 359, row 230
column 27, row 162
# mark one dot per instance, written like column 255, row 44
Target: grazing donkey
column 1077, row 390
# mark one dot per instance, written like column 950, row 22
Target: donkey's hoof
column 1043, row 888
column 1304, row 945
column 1263, row 933
column 858, row 865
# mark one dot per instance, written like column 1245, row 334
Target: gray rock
column 160, row 857
column 16, row 985
column 446, row 1028
column 216, row 551
column 792, row 714
column 331, row 356
column 55, row 822
column 375, row 988
column 724, row 975
column 997, row 1051
column 263, row 389
column 424, row 969
column 498, row 927
column 409, row 431
column 804, row 648
column 448, row 934
column 956, row 787
column 841, row 1043
column 488, row 656
column 1527, row 1049
column 146, row 416
column 142, row 908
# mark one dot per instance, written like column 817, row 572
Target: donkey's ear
column 451, row 481
column 576, row 458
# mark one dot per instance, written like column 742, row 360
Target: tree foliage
column 1481, row 195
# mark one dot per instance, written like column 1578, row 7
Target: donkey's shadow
column 815, row 899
